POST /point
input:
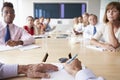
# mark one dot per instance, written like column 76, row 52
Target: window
column 56, row 10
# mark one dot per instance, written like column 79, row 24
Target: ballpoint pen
column 69, row 55
column 45, row 57
column 70, row 60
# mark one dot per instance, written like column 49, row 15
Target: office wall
column 1, row 1
column 26, row 7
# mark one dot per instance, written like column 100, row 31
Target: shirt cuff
column 84, row 74
column 9, row 70
column 28, row 42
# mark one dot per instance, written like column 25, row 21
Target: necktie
column 7, row 35
column 94, row 30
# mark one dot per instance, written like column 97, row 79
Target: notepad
column 61, row 74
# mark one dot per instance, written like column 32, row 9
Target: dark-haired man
column 11, row 34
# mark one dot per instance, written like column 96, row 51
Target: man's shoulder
column 14, row 25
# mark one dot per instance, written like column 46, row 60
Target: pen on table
column 45, row 57
column 70, row 60
column 69, row 55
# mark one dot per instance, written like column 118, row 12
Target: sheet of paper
column 28, row 47
column 95, row 47
column 20, row 47
column 6, row 48
column 41, row 35
column 61, row 74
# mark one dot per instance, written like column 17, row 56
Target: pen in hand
column 70, row 60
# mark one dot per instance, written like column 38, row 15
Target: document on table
column 41, row 36
column 28, row 47
column 20, row 47
column 62, row 36
column 95, row 47
column 61, row 74
column 6, row 48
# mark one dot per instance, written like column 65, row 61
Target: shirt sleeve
column 7, row 70
column 87, row 34
column 27, row 38
column 99, row 33
column 86, row 74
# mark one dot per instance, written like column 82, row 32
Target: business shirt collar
column 4, row 24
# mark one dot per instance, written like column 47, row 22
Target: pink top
column 16, row 33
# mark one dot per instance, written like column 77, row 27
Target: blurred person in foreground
column 75, row 69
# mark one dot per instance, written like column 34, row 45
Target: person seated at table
column 92, row 28
column 42, row 26
column 29, row 27
column 47, row 25
column 75, row 25
column 37, row 26
column 75, row 69
column 78, row 29
column 30, row 70
column 110, row 32
column 85, row 17
column 10, row 34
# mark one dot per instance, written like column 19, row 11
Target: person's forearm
column 113, row 40
column 95, row 42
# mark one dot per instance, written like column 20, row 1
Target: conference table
column 102, row 63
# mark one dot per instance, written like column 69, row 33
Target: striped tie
column 7, row 35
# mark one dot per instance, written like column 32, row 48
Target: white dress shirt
column 79, row 27
column 7, row 70
column 88, row 32
column 16, row 33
